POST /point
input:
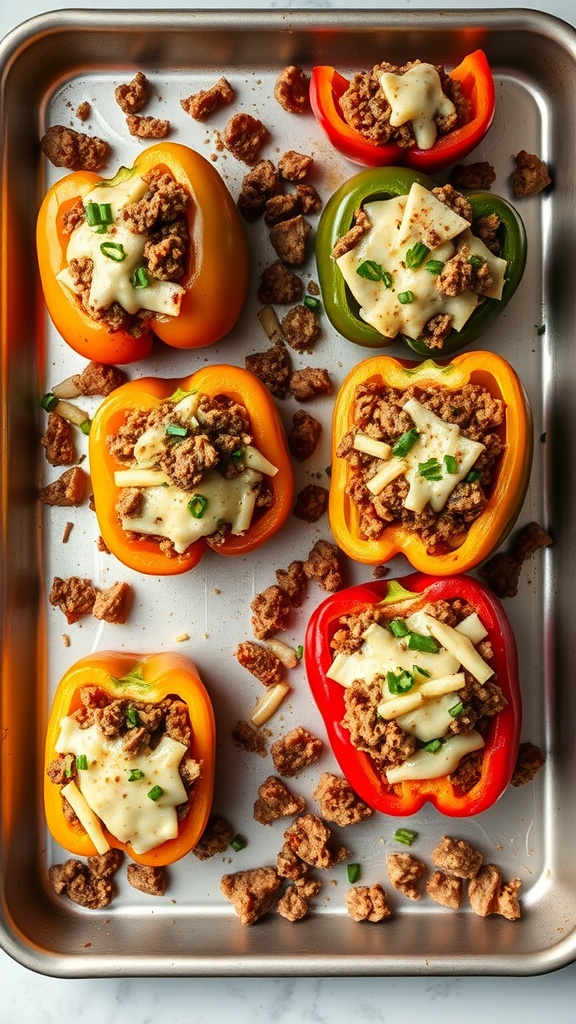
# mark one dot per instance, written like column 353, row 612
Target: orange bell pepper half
column 125, row 676
column 144, row 554
column 511, row 476
column 216, row 279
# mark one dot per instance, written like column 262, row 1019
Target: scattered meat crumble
column 502, row 571
column 291, row 89
column 271, row 611
column 215, row 839
column 488, row 894
column 275, row 800
column 310, row 382
column 479, row 175
column 294, row 582
column 295, row 751
column 68, row 490
column 76, row 151
column 58, row 441
column 338, row 802
column 261, row 662
column 304, row 435
column 368, row 903
column 301, row 328
column 311, row 840
column 457, row 857
column 249, row 738
column 133, row 96
column 529, row 761
column 147, row 878
column 244, row 136
column 322, row 566
column 294, row 166
column 83, row 111
column 530, row 175
column 252, row 892
column 87, row 884
column 405, row 871
column 446, row 890
column 203, row 103
column 289, row 239
column 272, row 367
column 279, row 285
column 77, row 597
column 147, row 127
column 311, row 503
column 98, row 379
column 111, row 604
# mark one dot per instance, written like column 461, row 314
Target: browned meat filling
column 378, row 411
column 365, row 107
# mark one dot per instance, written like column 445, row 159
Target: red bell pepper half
column 503, row 734
column 327, row 86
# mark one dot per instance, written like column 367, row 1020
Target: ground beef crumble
column 252, row 892
column 368, row 903
column 272, row 367
column 291, row 89
column 244, row 136
column 275, row 800
column 133, row 96
column 202, row 104
column 311, row 840
column 68, row 490
column 296, row 750
column 215, row 839
column 503, row 570
column 74, row 150
column 147, row 878
column 337, row 801
column 88, row 884
column 530, row 175
column 260, row 661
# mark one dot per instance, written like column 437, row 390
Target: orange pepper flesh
column 144, row 554
column 509, row 486
column 161, row 674
column 216, row 281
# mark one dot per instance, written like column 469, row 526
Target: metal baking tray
column 47, row 67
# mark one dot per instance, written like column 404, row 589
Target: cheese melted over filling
column 408, row 298
column 416, row 97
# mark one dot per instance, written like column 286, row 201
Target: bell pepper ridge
column 382, row 183
column 501, row 740
column 327, row 85
column 149, row 679
column 216, row 281
column 505, row 500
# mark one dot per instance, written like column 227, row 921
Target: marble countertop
column 34, row 999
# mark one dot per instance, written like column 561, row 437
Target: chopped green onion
column 81, row 762
column 387, row 279
column 132, row 718
column 98, row 214
column 541, row 329
column 434, row 266
column 85, row 427
column 237, row 455
column 370, row 270
column 419, row 642
column 405, row 835
column 140, row 278
column 475, row 260
column 430, row 470
column 68, row 773
column 400, row 682
column 433, row 747
column 49, row 402
column 457, row 709
column 405, row 442
column 312, row 303
column 238, row 843
column 155, row 793
column 418, row 668
column 473, row 476
column 197, row 506
column 176, row 430
column 299, row 652
column 353, row 871
column 135, row 775
column 416, row 255
column 114, row 251
column 450, row 464
column 406, row 297
column 398, row 628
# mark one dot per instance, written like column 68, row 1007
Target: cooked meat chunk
column 83, row 111
column 293, row 904
column 310, row 382
column 444, row 889
column 529, row 761
column 88, row 885
column 294, row 582
column 272, row 367
column 275, row 801
column 147, row 878
column 311, row 840
column 271, row 610
column 457, row 857
column 304, row 435
column 203, row 103
column 279, row 285
column 249, row 738
column 478, row 175
column 368, row 903
column 294, row 166
column 259, row 186
column 133, row 96
column 489, row 895
column 530, row 175
column 311, row 503
column 301, row 328
column 338, row 802
column 295, row 751
column 310, row 200
column 291, row 89
column 291, row 866
column 244, row 136
column 76, row 151
column 405, row 872
column 261, row 662
column 252, row 892
column 289, row 239
column 147, row 127
column 502, row 571
column 385, row 742
column 216, row 838
column 74, row 597
column 111, row 604
column 68, row 490
column 322, row 566
column 281, row 207
column 362, row 224
column 98, row 379
column 58, row 441
column 469, row 770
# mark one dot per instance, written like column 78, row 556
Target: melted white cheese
column 397, row 224
column 433, row 765
column 417, row 97
column 125, row 807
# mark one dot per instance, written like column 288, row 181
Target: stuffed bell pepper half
column 402, row 259
column 129, row 757
column 156, row 251
column 177, row 465
column 416, row 115
column 417, row 682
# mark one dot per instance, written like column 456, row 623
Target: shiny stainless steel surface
column 46, row 68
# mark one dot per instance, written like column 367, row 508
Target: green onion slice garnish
column 434, row 266
column 132, row 718
column 399, row 682
column 238, row 843
column 49, row 402
column 473, row 476
column 430, row 470
column 433, row 747
column 398, row 628
column 81, row 762
column 155, row 793
column 135, row 775
column 416, row 255
column 405, row 442
column 98, row 214
column 457, row 709
column 405, row 835
column 114, row 251
column 176, row 430
column 419, row 642
column 197, row 506
column 405, row 298
column 370, row 270
column 312, row 303
column 450, row 464
column 140, row 278
column 353, row 871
